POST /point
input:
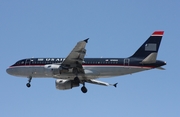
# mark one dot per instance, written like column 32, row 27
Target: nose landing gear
column 29, row 81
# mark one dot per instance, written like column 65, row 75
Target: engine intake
column 65, row 84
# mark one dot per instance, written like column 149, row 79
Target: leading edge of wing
column 77, row 54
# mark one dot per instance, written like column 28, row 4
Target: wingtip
column 115, row 85
column 86, row 40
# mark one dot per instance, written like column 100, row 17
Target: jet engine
column 65, row 84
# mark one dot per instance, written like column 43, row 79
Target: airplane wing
column 76, row 57
column 101, row 83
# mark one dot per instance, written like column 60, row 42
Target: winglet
column 86, row 40
column 115, row 85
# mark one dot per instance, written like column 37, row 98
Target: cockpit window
column 17, row 63
column 22, row 62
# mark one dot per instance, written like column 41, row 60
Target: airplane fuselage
column 93, row 67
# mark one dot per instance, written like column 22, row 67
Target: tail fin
column 148, row 51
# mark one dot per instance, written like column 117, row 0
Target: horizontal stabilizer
column 160, row 68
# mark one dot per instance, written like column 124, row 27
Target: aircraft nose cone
column 164, row 62
column 9, row 71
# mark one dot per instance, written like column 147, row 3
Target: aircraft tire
column 28, row 85
column 84, row 89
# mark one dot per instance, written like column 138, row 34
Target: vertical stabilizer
column 150, row 46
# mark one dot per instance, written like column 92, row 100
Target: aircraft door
column 28, row 62
column 126, row 62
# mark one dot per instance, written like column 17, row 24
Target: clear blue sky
column 116, row 29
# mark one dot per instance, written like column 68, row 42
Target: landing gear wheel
column 84, row 89
column 29, row 81
column 28, row 85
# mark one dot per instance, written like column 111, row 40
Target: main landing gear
column 83, row 88
column 29, row 81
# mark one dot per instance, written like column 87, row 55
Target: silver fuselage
column 91, row 71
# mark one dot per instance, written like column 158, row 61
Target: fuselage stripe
column 90, row 66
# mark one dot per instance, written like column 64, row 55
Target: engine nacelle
column 65, row 84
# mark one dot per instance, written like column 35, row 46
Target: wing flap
column 92, row 81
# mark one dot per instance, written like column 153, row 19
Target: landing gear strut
column 76, row 79
column 83, row 88
column 29, row 81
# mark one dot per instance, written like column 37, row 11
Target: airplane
column 74, row 70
